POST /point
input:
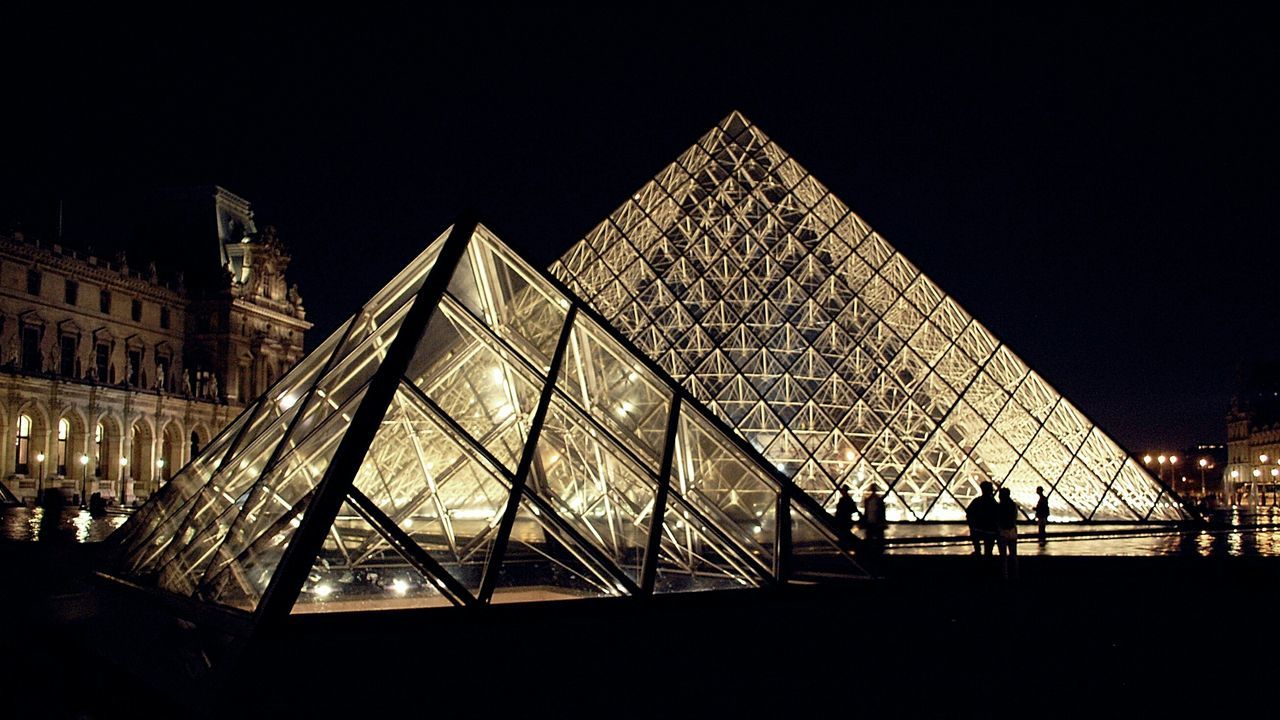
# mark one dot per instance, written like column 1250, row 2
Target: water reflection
column 32, row 525
column 1232, row 535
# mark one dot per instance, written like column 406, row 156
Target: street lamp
column 1161, row 460
column 1235, row 477
column 84, row 478
column 1173, row 460
column 1146, row 459
column 124, row 463
column 1253, row 487
column 1275, row 472
column 40, row 477
column 1203, row 464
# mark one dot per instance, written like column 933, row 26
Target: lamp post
column 1235, row 477
column 1262, row 460
column 1253, row 489
column 1161, row 460
column 124, row 464
column 159, row 472
column 1203, row 464
column 1173, row 477
column 84, row 478
column 40, row 476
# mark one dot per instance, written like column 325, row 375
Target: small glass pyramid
column 803, row 329
column 473, row 435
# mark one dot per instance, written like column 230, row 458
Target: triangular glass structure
column 473, row 435
column 801, row 327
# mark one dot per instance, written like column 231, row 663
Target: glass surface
column 692, row 556
column 617, row 390
column 595, row 485
column 802, row 303
column 722, row 484
column 541, row 563
column 431, row 482
column 816, row 554
column 476, row 381
column 358, row 571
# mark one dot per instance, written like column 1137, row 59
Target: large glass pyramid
column 473, row 435
column 830, row 352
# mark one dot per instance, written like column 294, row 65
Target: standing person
column 845, row 508
column 1042, row 513
column 1007, row 536
column 873, row 518
column 981, row 515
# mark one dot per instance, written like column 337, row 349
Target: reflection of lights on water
column 82, row 521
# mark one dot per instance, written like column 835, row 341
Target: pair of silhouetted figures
column 994, row 523
column 873, row 520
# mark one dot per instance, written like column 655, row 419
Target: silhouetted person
column 845, row 508
column 1007, row 535
column 873, row 518
column 51, row 502
column 1042, row 513
column 981, row 515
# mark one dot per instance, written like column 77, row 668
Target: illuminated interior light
column 408, row 523
column 287, row 401
column 324, row 590
column 399, row 586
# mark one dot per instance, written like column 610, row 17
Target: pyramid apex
column 734, row 123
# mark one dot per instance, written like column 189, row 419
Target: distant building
column 114, row 364
column 1194, row 472
column 1253, row 437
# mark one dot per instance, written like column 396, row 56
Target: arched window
column 99, row 447
column 195, row 444
column 64, row 431
column 23, row 444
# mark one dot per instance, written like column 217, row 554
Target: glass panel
column 815, row 552
column 598, row 489
column 541, row 563
column 241, row 582
column 435, row 487
column 357, row 570
column 1136, row 488
column 295, row 474
column 215, row 510
column 511, row 297
column 158, row 520
column 725, row 486
column 615, row 389
column 476, row 382
column 691, row 557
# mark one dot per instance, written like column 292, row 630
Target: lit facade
column 824, row 347
column 473, row 435
column 111, row 376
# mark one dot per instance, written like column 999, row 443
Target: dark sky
column 1097, row 187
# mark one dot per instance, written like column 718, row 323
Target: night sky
column 1096, row 188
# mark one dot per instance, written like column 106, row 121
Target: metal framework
column 473, row 435
column 830, row 352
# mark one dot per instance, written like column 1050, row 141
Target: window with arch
column 64, row 432
column 99, row 443
column 23, row 448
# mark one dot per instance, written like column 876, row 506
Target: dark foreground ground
column 1074, row 637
